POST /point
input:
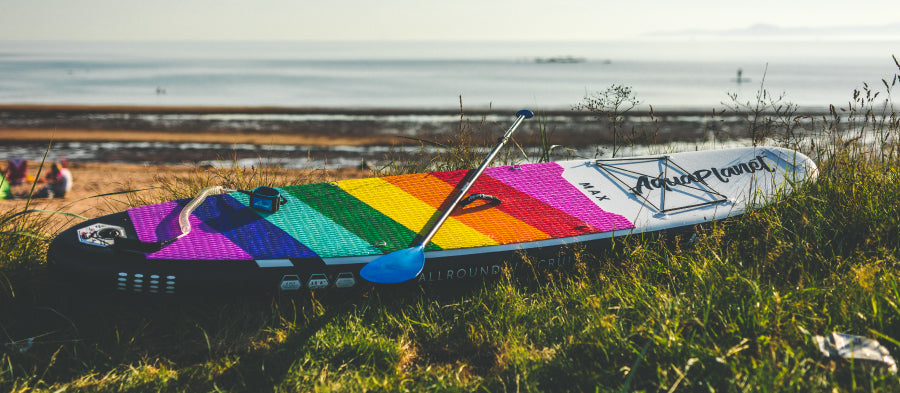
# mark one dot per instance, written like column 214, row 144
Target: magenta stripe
column 160, row 222
column 545, row 183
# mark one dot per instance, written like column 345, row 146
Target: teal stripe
column 316, row 231
column 358, row 217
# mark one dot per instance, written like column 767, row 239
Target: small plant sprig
column 767, row 116
column 611, row 104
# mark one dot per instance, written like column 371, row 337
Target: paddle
column 404, row 265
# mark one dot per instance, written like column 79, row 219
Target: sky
column 415, row 20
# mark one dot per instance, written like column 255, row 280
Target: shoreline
column 344, row 126
column 304, row 138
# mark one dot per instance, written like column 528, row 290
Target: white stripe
column 264, row 263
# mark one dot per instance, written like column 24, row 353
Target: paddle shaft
column 471, row 181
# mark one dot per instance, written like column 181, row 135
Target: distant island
column 560, row 59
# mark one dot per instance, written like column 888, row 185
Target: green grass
column 733, row 310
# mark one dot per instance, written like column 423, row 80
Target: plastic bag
column 855, row 348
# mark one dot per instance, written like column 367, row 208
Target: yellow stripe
column 493, row 222
column 413, row 213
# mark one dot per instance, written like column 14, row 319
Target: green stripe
column 356, row 216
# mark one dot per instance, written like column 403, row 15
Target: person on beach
column 59, row 181
column 16, row 171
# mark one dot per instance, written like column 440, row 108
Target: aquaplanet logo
column 723, row 175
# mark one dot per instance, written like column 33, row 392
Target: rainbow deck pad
column 374, row 216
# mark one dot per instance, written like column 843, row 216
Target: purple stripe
column 544, row 182
column 160, row 222
column 243, row 226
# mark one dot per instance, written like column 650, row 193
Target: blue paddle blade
column 396, row 267
column 525, row 113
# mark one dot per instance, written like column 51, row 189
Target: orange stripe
column 490, row 221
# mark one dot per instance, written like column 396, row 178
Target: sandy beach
column 93, row 180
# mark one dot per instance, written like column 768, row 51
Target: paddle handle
column 522, row 115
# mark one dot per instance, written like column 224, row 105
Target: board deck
column 325, row 232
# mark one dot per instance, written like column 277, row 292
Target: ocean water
column 436, row 75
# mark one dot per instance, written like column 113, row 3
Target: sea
column 665, row 74
column 674, row 75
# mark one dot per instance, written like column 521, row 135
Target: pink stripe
column 160, row 222
column 545, row 183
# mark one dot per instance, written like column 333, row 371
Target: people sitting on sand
column 59, row 182
column 16, row 171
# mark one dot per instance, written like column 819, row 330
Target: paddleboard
column 318, row 236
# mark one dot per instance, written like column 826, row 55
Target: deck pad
column 373, row 216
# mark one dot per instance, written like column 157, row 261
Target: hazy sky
column 414, row 19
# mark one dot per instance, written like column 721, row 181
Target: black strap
column 492, row 200
column 254, row 193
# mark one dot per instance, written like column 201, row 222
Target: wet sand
column 349, row 127
column 130, row 135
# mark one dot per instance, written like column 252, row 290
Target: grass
column 733, row 310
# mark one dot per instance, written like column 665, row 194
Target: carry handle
column 184, row 218
column 184, row 223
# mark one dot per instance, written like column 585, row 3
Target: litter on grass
column 853, row 348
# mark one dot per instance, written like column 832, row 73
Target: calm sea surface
column 667, row 75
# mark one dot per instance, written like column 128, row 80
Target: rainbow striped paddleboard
column 317, row 236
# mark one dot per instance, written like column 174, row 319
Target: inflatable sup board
column 317, row 236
